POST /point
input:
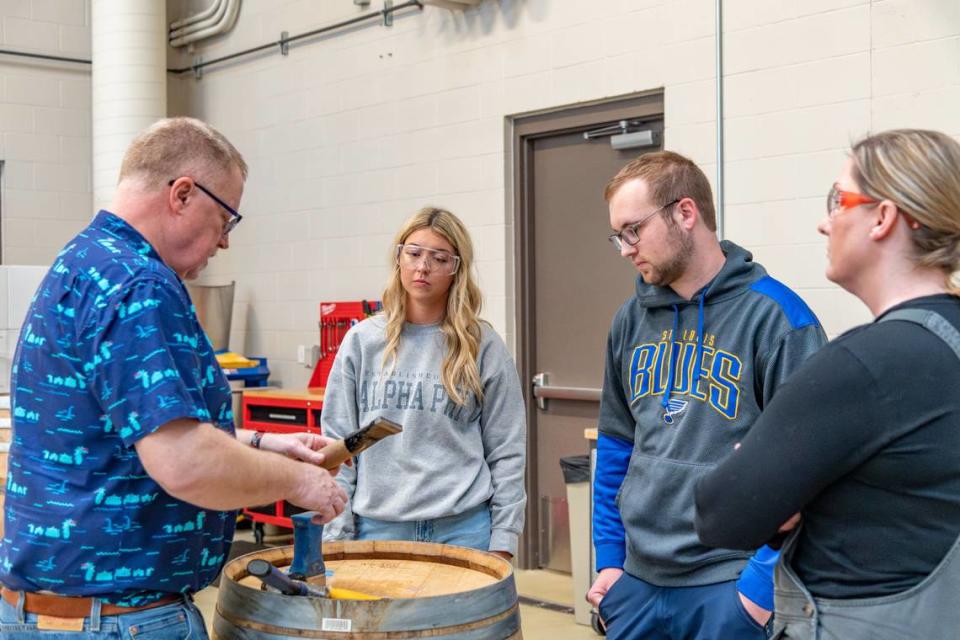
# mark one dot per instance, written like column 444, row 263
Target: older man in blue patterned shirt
column 125, row 468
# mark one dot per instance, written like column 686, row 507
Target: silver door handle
column 542, row 391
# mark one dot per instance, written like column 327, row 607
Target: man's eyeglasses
column 839, row 200
column 235, row 216
column 411, row 256
column 630, row 234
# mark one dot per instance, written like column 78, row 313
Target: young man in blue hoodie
column 691, row 361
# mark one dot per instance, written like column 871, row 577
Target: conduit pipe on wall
column 128, row 82
column 197, row 17
column 719, row 56
column 288, row 40
column 221, row 22
column 41, row 56
column 278, row 44
column 453, row 5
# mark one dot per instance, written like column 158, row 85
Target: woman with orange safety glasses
column 857, row 454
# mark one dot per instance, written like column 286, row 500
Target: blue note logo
column 674, row 408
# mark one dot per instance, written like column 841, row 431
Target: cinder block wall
column 351, row 133
column 44, row 128
column 804, row 80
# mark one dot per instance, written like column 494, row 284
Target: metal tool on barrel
column 307, row 573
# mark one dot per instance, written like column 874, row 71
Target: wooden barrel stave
column 486, row 613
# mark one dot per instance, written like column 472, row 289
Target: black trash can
column 575, row 469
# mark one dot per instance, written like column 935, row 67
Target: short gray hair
column 174, row 147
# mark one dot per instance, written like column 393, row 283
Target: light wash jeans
column 176, row 621
column 468, row 529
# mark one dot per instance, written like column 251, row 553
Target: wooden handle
column 360, row 440
column 336, row 454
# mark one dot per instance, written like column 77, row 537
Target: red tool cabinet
column 336, row 318
column 289, row 411
column 279, row 411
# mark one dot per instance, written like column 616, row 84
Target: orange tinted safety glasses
column 838, row 200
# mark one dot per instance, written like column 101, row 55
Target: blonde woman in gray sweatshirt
column 455, row 475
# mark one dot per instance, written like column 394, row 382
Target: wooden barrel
column 424, row 590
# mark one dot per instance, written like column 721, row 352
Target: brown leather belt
column 50, row 604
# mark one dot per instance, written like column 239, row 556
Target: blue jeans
column 176, row 621
column 637, row 610
column 468, row 529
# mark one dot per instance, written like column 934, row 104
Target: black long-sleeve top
column 864, row 440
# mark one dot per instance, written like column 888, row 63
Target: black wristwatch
column 255, row 440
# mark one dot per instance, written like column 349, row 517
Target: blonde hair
column 174, row 147
column 460, row 372
column 669, row 176
column 919, row 171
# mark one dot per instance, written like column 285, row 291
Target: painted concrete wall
column 44, row 128
column 352, row 132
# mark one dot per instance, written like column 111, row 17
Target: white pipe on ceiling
column 128, row 82
column 197, row 17
column 230, row 10
column 206, row 23
column 721, row 189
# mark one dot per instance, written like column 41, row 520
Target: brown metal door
column 572, row 284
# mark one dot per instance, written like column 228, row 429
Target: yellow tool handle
column 349, row 594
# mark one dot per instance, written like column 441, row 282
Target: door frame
column 522, row 131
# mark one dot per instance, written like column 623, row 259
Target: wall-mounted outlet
column 302, row 353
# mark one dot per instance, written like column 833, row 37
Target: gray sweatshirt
column 449, row 458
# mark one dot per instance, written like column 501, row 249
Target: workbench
column 279, row 411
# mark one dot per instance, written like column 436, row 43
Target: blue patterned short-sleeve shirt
column 110, row 351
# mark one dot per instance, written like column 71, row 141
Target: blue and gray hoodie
column 684, row 382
